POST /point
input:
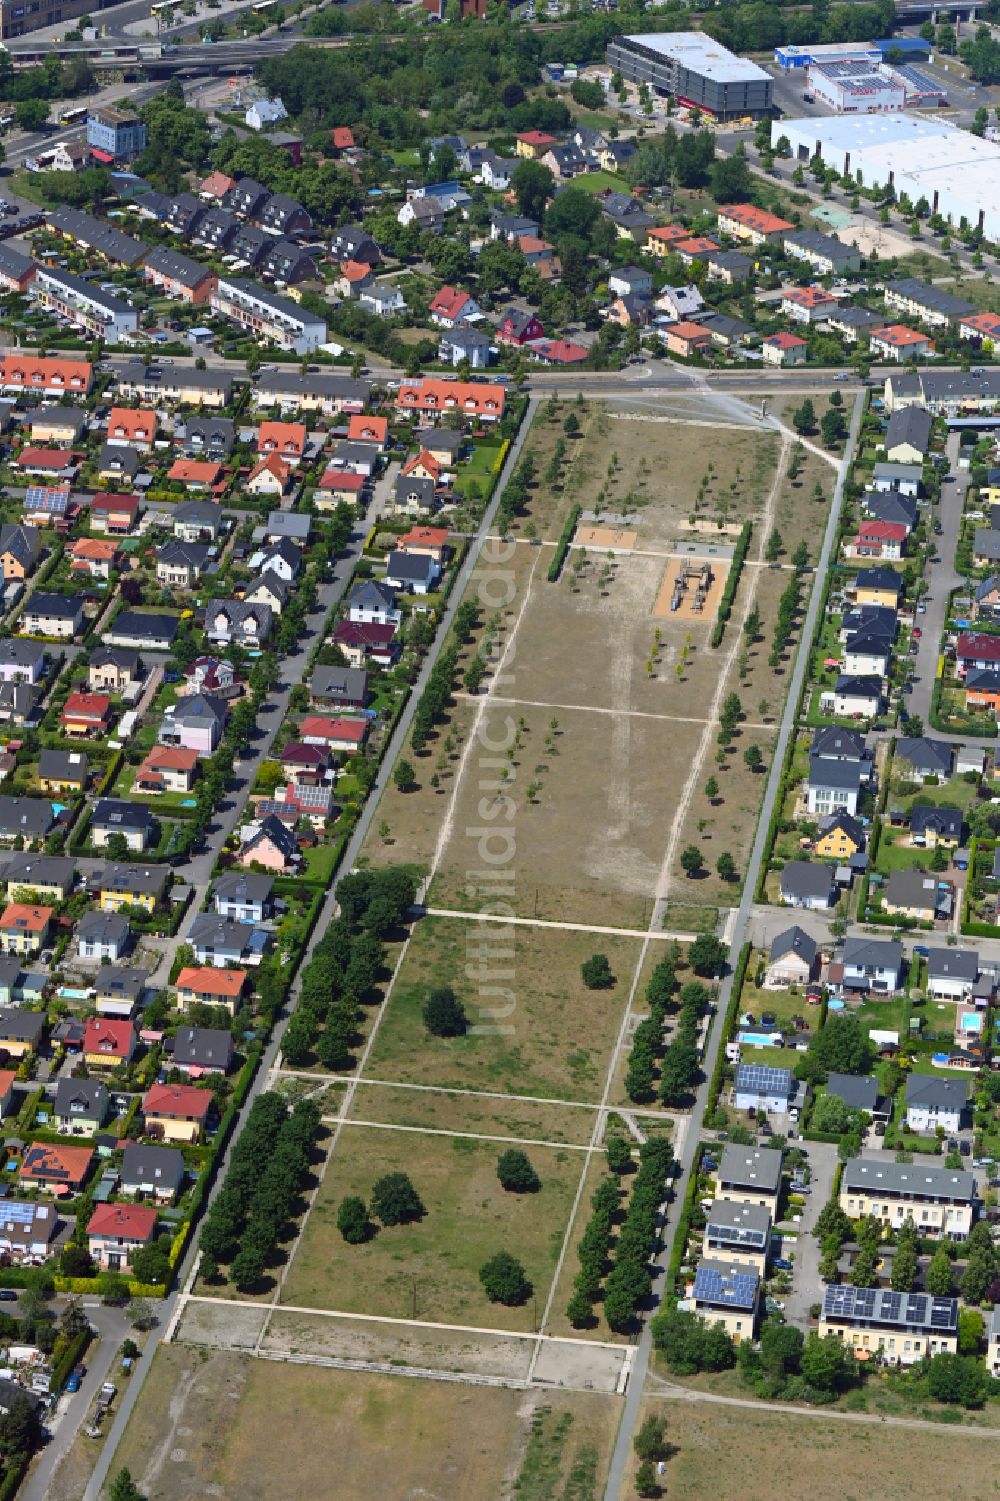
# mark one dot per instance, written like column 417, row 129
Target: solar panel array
column 879, row 1304
column 728, row 1288
column 738, row 1235
column 764, row 1077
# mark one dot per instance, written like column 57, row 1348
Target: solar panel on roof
column 762, row 1076
column 731, row 1289
column 738, row 1235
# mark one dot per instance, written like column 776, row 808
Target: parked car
column 781, row 1264
column 73, row 1384
column 7, row 1295
column 964, row 1148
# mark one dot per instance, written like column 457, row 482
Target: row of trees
column 647, row 1038
column 680, row 1066
column 345, row 965
column 269, row 1163
column 593, row 1252
column 629, row 1280
column 435, row 698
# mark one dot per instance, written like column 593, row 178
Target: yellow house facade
column 937, row 1199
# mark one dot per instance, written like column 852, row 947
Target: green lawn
column 596, row 182
column 320, row 861
column 893, row 854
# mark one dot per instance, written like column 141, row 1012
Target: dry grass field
column 748, row 1454
column 473, row 1114
column 549, row 1036
column 433, row 1264
column 224, row 1425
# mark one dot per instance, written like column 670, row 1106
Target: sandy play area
column 687, row 607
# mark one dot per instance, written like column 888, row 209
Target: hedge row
column 562, row 546
column 593, row 1251
column 70, row 1357
column 684, row 1223
column 729, row 1021
column 732, row 584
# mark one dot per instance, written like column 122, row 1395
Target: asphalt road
column 633, row 1401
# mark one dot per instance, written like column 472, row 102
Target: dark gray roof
column 161, row 1166
column 879, row 578
column 243, row 886
column 30, row 816
column 873, row 953
column 84, row 1098
column 875, row 1307
column 54, row 606
column 120, row 458
column 856, row 1093
column 794, row 940
column 121, row 981
column 750, row 1167
column 928, row 1091
column 178, row 267
column 44, row 870
column 946, row 821
column 116, row 813
column 64, row 766
column 143, row 625
column 203, row 1047
column 132, row 880
column 932, row 298
column 819, row 243
column 806, row 878
column 910, row 1178
column 953, row 964
column 909, row 425
column 103, row 927
column 842, row 776
column 741, row 1225
column 912, row 888
column 924, row 754
column 347, row 683
column 831, row 743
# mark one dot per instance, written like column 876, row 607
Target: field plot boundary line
column 487, row 1094
column 538, row 703
column 383, row 1318
column 414, row 1372
column 547, row 922
column 523, row 1141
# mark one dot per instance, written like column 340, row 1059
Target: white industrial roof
column 694, row 50
column 851, row 133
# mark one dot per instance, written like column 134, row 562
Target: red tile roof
column 204, row 980
column 177, row 1101
column 135, row 1222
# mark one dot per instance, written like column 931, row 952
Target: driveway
column 941, row 580
column 805, row 1250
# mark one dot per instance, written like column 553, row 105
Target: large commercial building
column 956, row 172
column 856, row 88
column 694, row 70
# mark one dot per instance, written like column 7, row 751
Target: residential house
column 271, row 476
column 118, row 990
column 113, row 669
column 121, row 886
column 152, row 1172
column 465, row 344
column 195, row 474
column 195, row 722
column 177, row 1112
column 808, row 884
column 908, row 435
column 902, row 1328
column 200, row 1051
column 96, row 557
column 760, row 1086
column 28, row 819
column 85, row 715
column 752, row 1175
column 197, row 521
column 339, row 687
column 272, row 846
column 680, row 302
column 833, row 785
column 518, row 326
column 212, row 675
column 27, row 1229
column 952, row 973
column 143, row 629
column 899, row 343
column 103, row 936
column 20, row 546
column 841, row 838
column 744, row 221
column 727, row 1294
column 935, row 1102
column 58, row 615
column 113, row 514
column 807, row 304
column 411, row 572
column 42, row 875
column 784, row 349
column 686, row 339
column 918, row 894
column 180, row 564
column 108, row 1042
column 431, row 397
column 939, row 1200
column 986, row 601
column 166, row 768
column 131, row 428
column 902, row 477
column 81, row 1107
column 286, row 439
column 931, row 827
column 211, row 987
column 225, row 944
column 53, row 1168
column 363, row 643
column 728, row 266
column 240, row 622
column 24, row 928
column 873, row 965
column 373, row 603
column 62, row 771
column 116, row 1232
column 884, row 540
column 21, row 1031
column 112, row 816
column 347, row 735
column 925, row 758
column 737, row 1233
column 413, row 496
column 450, row 306
column 21, row 661
column 836, row 743
column 792, row 959
column 878, row 586
column 244, row 897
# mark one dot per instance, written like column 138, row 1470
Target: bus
column 74, row 116
column 164, row 7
